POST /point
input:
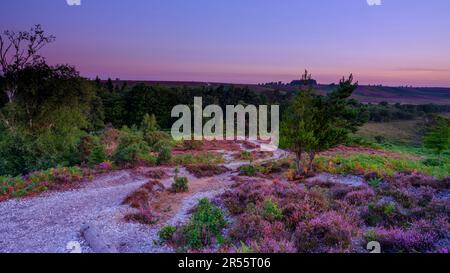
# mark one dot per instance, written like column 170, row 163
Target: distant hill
column 364, row 93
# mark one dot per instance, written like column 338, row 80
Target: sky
column 400, row 42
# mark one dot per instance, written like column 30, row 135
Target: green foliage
column 248, row 170
column 375, row 182
column 315, row 123
column 98, row 155
column 180, row 184
column 379, row 164
column 149, row 124
column 205, row 225
column 38, row 181
column 166, row 233
column 438, row 138
column 202, row 158
column 246, row 155
column 165, row 154
column 132, row 148
column 271, row 211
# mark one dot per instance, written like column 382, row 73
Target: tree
column 314, row 123
column 149, row 124
column 438, row 138
column 19, row 50
column 299, row 124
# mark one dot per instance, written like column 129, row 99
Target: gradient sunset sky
column 401, row 42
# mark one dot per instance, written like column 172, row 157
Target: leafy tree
column 314, row 123
column 438, row 138
column 299, row 125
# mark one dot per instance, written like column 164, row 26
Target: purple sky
column 401, row 42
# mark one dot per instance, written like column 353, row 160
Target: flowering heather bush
column 405, row 179
column 360, row 197
column 404, row 240
column 269, row 245
column 329, row 229
column 38, row 181
column 247, row 226
column 243, row 193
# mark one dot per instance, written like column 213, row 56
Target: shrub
column 87, row 144
column 164, row 155
column 384, row 213
column 248, row 170
column 205, row 225
column 403, row 240
column 132, row 148
column 97, row 156
column 271, row 211
column 37, row 182
column 166, row 233
column 329, row 229
column 360, row 197
column 269, row 245
column 180, row 184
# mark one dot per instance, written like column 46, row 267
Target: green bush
column 132, row 148
column 165, row 155
column 248, row 170
column 180, row 184
column 205, row 225
column 166, row 233
column 271, row 211
column 98, row 155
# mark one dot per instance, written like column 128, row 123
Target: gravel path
column 49, row 222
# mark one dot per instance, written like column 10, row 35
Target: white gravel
column 46, row 224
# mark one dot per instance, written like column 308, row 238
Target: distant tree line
column 384, row 112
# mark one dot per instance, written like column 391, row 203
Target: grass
column 202, row 158
column 408, row 132
column 381, row 165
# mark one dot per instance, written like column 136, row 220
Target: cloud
column 374, row 2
